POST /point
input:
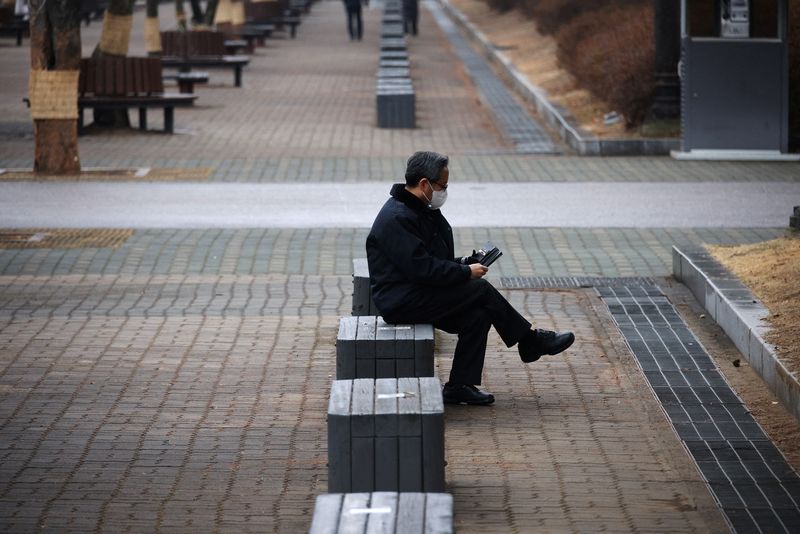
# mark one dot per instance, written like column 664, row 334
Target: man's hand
column 477, row 270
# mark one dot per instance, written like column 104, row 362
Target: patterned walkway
column 177, row 380
column 517, row 125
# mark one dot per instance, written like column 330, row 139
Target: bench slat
column 327, row 509
column 411, row 512
column 380, row 523
column 439, row 513
column 339, row 453
column 362, row 435
column 353, row 523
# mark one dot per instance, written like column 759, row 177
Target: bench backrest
column 6, row 15
column 193, row 43
column 120, row 76
column 263, row 11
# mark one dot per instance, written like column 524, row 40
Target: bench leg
column 293, row 31
column 80, row 120
column 169, row 120
column 237, row 76
column 185, row 86
column 142, row 118
column 19, row 37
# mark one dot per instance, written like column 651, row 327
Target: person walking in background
column 410, row 16
column 355, row 26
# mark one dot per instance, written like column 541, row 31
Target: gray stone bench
column 397, row 44
column 394, row 64
column 386, row 435
column 383, row 513
column 393, row 72
column 368, row 347
column 395, row 105
column 393, row 55
column 362, row 292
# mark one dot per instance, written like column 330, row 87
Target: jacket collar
column 400, row 192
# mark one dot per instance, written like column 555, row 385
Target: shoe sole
column 566, row 346
column 470, row 403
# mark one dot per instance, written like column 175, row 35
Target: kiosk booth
column 734, row 80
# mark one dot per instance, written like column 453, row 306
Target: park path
column 174, row 377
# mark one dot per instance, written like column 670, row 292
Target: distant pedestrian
column 355, row 27
column 410, row 16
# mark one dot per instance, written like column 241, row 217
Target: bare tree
column 53, row 86
column 180, row 15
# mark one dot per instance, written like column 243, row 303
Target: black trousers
column 354, row 25
column 468, row 310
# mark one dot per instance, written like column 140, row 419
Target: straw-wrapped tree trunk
column 53, row 84
column 152, row 29
column 114, row 41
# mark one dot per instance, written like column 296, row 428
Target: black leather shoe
column 465, row 394
column 540, row 342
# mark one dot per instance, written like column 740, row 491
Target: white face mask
column 437, row 200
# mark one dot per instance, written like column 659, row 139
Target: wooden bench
column 206, row 49
column 127, row 82
column 383, row 513
column 386, row 435
column 13, row 25
column 368, row 347
column 274, row 13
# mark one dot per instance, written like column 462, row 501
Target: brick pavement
column 309, row 96
column 179, row 383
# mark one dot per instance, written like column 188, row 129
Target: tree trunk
column 197, row 12
column 180, row 15
column 55, row 57
column 114, row 41
column 152, row 29
column 211, row 11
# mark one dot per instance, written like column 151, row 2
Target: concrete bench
column 386, row 435
column 396, row 105
column 394, row 64
column 383, row 513
column 393, row 72
column 362, row 292
column 393, row 55
column 393, row 44
column 368, row 347
column 391, row 31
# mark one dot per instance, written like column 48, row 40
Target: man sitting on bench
column 416, row 278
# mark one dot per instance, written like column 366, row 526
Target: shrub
column 502, row 5
column 611, row 53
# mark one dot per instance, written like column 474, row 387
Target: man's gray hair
column 425, row 165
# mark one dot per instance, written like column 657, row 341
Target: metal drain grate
column 145, row 174
column 570, row 282
column 63, row 238
column 754, row 485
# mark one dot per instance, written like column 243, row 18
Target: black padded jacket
column 410, row 250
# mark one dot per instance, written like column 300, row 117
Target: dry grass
column 771, row 270
column 535, row 56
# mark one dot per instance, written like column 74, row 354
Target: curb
column 556, row 116
column 741, row 315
